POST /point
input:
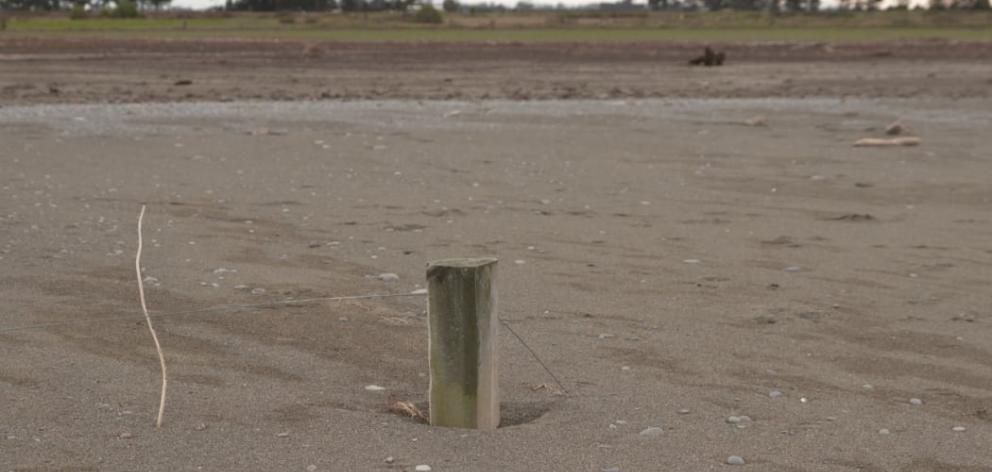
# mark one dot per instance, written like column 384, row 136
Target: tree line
column 319, row 5
column 53, row 5
column 523, row 5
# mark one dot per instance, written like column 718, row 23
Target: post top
column 461, row 263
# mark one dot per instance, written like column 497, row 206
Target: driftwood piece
column 888, row 142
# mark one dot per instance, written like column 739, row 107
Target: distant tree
column 428, row 14
column 78, row 12
column 524, row 6
column 281, row 5
column 450, row 6
column 968, row 4
column 125, row 9
column 714, row 5
column 157, row 4
column 30, row 5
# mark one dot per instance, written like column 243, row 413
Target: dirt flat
column 95, row 70
column 698, row 250
column 672, row 265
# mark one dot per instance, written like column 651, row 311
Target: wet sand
column 134, row 70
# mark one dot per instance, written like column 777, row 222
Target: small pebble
column 374, row 388
column 735, row 460
column 685, row 411
column 390, row 460
column 625, row 368
column 757, row 120
column 740, row 422
column 895, row 129
column 422, row 468
column 388, row 277
column 883, row 431
column 775, row 393
column 959, row 429
column 419, row 291
column 610, row 469
column 793, row 269
column 284, row 434
column 311, row 468
column 915, row 401
column 650, row 432
column 692, row 261
column 125, row 435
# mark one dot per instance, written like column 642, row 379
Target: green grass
column 716, row 27
column 538, row 35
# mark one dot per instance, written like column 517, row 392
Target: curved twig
column 148, row 318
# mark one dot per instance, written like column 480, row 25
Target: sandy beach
column 729, row 270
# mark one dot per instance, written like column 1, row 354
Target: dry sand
column 672, row 265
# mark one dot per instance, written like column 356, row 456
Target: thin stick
column 148, row 318
column 536, row 357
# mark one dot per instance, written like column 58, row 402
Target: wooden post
column 463, row 324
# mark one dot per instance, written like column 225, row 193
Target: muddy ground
column 729, row 270
column 93, row 70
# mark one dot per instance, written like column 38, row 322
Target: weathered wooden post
column 463, row 324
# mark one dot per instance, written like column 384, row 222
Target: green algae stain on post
column 463, row 324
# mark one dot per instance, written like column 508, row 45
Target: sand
column 90, row 69
column 670, row 263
